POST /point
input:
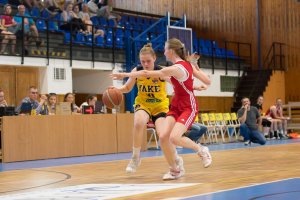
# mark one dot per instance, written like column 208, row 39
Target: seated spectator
column 29, row 4
column 69, row 97
column 32, row 98
column 8, row 21
column 53, row 7
column 103, row 9
column 52, row 100
column 6, row 37
column 85, row 17
column 45, row 109
column 265, row 121
column 276, row 113
column 29, row 26
column 196, row 131
column 92, row 100
column 3, row 102
column 72, row 21
column 249, row 118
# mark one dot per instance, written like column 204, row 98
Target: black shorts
column 266, row 123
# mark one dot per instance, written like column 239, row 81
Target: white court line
column 95, row 191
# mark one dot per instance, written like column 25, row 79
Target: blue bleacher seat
column 146, row 21
column 67, row 37
column 109, row 41
column 79, row 39
column 119, row 32
column 35, row 12
column 100, row 41
column 52, row 25
column 111, row 23
column 89, row 40
column 127, row 33
column 132, row 20
column 119, row 43
column 41, row 25
column 139, row 20
column 95, row 21
column 102, row 21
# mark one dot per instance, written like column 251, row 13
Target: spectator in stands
column 69, row 97
column 29, row 4
column 8, row 21
column 52, row 100
column 54, row 7
column 265, row 122
column 103, row 9
column 3, row 102
column 85, row 17
column 32, row 98
column 249, row 118
column 72, row 21
column 29, row 27
column 276, row 113
column 6, row 37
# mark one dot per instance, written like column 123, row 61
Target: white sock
column 176, row 155
column 136, row 152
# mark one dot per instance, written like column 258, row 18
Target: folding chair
column 219, row 126
column 235, row 121
column 230, row 126
column 151, row 128
column 211, row 131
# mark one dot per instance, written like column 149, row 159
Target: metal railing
column 275, row 58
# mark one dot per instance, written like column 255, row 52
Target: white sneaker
column 179, row 162
column 172, row 175
column 133, row 165
column 205, row 156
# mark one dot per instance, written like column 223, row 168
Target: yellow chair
column 211, row 131
column 227, row 120
column 235, row 121
column 217, row 120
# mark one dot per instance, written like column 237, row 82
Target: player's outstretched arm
column 127, row 87
column 165, row 72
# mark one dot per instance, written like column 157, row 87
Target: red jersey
column 270, row 114
column 184, row 106
column 8, row 19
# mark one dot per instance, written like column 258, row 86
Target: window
column 229, row 83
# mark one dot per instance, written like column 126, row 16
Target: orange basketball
column 112, row 97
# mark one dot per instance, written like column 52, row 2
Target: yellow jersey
column 152, row 93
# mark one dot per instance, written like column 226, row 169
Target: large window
column 229, row 83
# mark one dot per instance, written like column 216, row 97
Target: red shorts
column 185, row 117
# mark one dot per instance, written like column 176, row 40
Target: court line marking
column 67, row 176
column 257, row 184
column 102, row 191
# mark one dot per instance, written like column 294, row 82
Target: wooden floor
column 230, row 169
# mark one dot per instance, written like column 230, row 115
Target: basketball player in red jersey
column 183, row 109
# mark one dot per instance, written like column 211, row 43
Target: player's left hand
column 117, row 76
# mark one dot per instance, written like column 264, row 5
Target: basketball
column 112, row 97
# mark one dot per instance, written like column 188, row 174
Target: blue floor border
column 287, row 189
column 124, row 156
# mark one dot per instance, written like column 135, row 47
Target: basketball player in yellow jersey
column 151, row 103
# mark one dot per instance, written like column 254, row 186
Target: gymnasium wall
column 274, row 90
column 15, row 82
column 237, row 21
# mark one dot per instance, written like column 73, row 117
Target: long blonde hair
column 178, row 47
